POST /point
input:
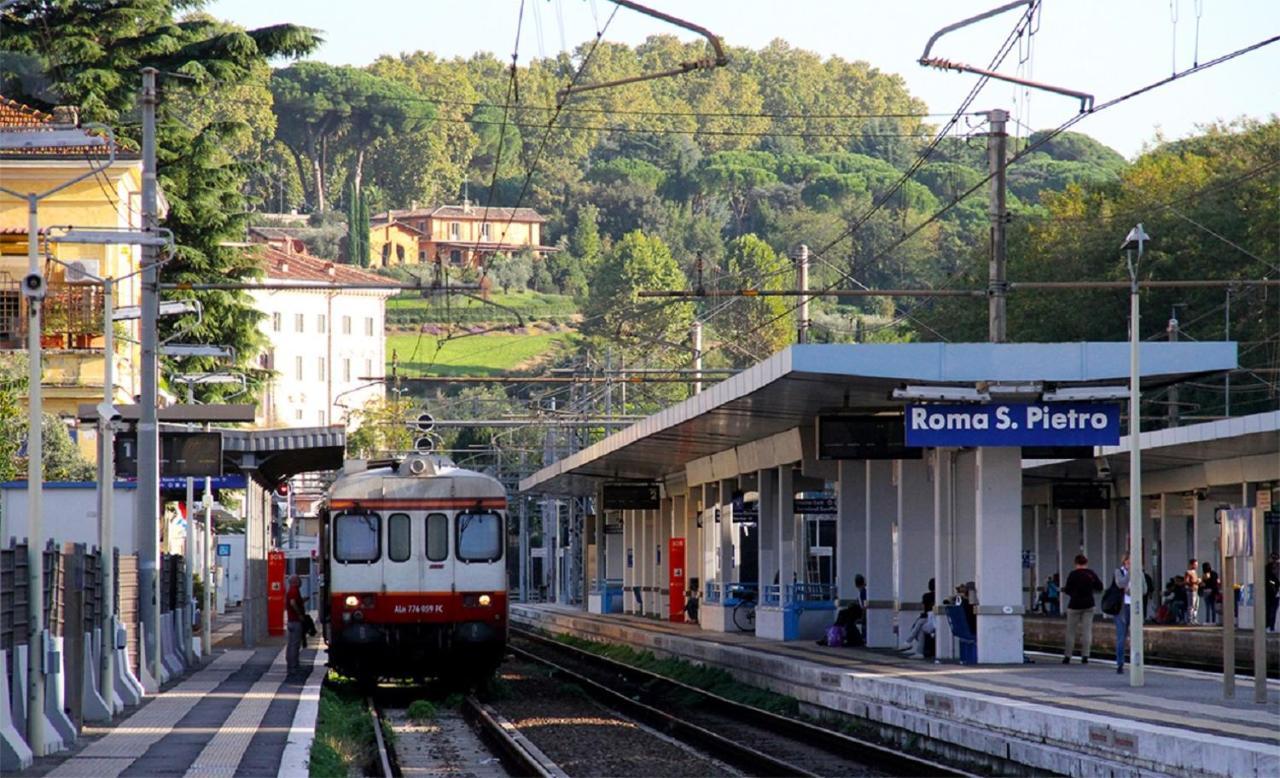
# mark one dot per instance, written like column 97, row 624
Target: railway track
column 755, row 741
column 384, row 752
column 519, row 754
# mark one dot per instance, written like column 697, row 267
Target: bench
column 961, row 632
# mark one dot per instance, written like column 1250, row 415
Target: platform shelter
column 787, row 481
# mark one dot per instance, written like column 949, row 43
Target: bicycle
column 744, row 613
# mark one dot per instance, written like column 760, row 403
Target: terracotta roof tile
column 494, row 213
column 14, row 114
column 294, row 266
column 18, row 116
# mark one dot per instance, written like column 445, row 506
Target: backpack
column 1112, row 600
column 835, row 635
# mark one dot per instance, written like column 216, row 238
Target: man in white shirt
column 1192, row 579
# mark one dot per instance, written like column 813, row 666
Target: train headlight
column 484, row 601
column 352, row 601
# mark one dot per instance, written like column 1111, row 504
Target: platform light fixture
column 196, row 350
column 941, row 393
column 170, row 308
column 1087, row 394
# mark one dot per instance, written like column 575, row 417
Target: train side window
column 479, row 536
column 357, row 537
column 399, row 542
column 437, row 537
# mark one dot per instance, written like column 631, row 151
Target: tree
column 614, row 311
column 357, row 226
column 380, row 429
column 759, row 325
column 13, row 388
column 211, row 127
column 584, row 242
column 326, row 111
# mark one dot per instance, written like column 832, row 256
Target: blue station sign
column 1013, row 424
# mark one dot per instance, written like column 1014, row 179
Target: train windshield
column 357, row 537
column 479, row 536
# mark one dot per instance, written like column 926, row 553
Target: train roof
column 416, row 476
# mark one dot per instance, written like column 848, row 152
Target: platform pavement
column 240, row 714
column 1074, row 720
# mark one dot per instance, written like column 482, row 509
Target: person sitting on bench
column 920, row 638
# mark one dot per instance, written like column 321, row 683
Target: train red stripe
column 448, row 503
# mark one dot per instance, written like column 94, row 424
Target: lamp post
column 1136, row 239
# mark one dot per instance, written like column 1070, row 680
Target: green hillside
column 477, row 355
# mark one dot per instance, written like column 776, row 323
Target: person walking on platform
column 1192, row 579
column 1210, row 591
column 294, row 610
column 1121, row 579
column 1081, row 585
column 1053, row 593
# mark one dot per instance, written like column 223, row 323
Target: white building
column 326, row 347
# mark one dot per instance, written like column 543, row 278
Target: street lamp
column 1136, row 239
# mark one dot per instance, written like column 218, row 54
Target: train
column 413, row 576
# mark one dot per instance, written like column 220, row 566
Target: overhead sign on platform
column 633, row 496
column 1013, row 424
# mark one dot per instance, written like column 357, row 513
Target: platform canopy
column 271, row 456
column 796, row 384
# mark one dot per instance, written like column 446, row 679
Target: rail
column 517, row 751
column 384, row 757
column 839, row 744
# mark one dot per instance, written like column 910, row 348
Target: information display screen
column 863, row 437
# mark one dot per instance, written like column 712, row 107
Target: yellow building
column 461, row 235
column 71, row 326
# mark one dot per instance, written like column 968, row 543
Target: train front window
column 357, row 537
column 479, row 537
column 437, row 537
column 399, row 544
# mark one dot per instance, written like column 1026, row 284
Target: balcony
column 71, row 316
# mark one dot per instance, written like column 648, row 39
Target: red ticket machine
column 676, row 578
column 275, row 592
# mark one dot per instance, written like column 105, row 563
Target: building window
column 276, row 324
column 400, row 254
column 484, row 230
column 298, row 414
column 368, row 367
column 322, row 324
column 346, row 369
column 10, row 315
column 346, row 325
column 320, row 374
column 422, row 255
column 455, row 257
column 455, row 230
column 386, row 252
column 368, row 326
column 297, row 369
column 299, row 322
column 320, row 415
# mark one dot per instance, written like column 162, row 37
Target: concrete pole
column 148, row 429
column 802, row 284
column 106, row 499
column 35, row 498
column 997, row 286
column 1259, row 608
column 188, row 587
column 524, row 548
column 1171, row 329
column 206, row 606
column 1136, row 562
column 695, row 332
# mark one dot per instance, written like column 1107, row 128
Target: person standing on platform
column 1210, row 591
column 1121, row 579
column 1272, row 591
column 294, row 610
column 1081, row 585
column 1192, row 579
column 1053, row 593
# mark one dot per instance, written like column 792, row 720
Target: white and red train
column 414, row 581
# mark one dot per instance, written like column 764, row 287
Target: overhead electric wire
column 1050, row 135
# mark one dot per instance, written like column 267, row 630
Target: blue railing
column 741, row 592
column 771, row 595
column 712, row 595
column 811, row 596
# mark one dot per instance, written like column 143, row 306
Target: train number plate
column 419, row 608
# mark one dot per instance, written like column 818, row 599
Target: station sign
column 179, row 483
column 224, row 549
column 641, row 496
column 846, row 436
column 1076, row 496
column 815, row 506
column 1013, row 424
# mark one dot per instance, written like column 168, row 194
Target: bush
column 422, row 711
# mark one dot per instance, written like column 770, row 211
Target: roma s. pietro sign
column 1013, row 424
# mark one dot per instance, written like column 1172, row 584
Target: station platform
column 1067, row 719
column 240, row 713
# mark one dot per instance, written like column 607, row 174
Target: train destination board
column 1013, row 424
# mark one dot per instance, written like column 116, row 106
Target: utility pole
column 524, row 537
column 695, row 333
column 37, row 651
column 997, row 286
column 1172, row 330
column 802, row 285
column 206, row 606
column 106, row 499
column 148, row 428
column 1137, row 238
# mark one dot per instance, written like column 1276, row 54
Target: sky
column 1104, row 47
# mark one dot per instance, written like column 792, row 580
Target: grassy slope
column 478, row 355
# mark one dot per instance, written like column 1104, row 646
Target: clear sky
column 1105, row 47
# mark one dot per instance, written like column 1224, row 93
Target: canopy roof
column 793, row 386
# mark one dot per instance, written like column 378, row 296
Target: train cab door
column 437, row 557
